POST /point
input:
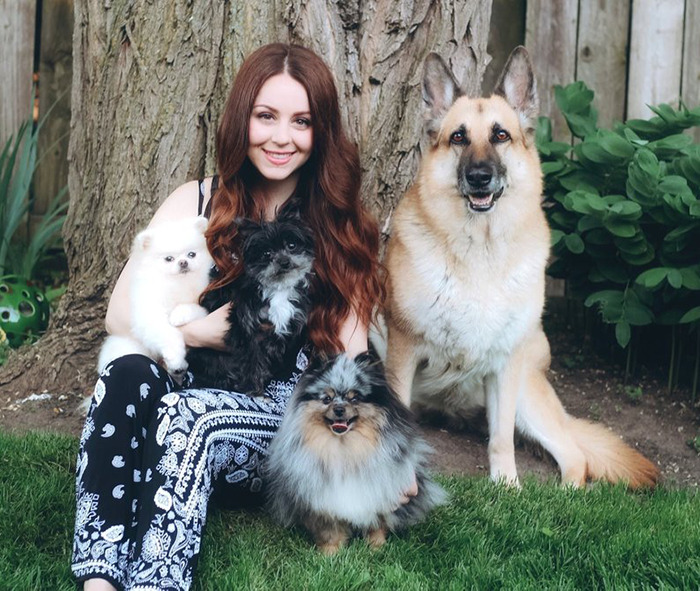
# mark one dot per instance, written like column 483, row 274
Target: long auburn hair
column 347, row 238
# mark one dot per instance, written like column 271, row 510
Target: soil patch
column 642, row 413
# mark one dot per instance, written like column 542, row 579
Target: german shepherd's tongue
column 480, row 202
column 483, row 201
column 339, row 427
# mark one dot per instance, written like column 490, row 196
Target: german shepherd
column 466, row 274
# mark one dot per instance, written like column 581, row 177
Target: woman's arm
column 354, row 335
column 205, row 332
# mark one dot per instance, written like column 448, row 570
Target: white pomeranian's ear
column 142, row 241
column 201, row 223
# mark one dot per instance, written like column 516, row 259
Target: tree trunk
column 150, row 80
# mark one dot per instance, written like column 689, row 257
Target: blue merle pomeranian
column 345, row 453
column 271, row 303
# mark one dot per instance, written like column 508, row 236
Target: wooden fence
column 36, row 37
column 630, row 52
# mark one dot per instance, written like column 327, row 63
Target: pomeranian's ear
column 143, row 240
column 290, row 211
column 201, row 223
column 364, row 359
column 246, row 227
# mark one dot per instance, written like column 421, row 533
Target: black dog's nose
column 338, row 411
column 284, row 262
column 479, row 177
column 183, row 264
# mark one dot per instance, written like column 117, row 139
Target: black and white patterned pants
column 150, row 458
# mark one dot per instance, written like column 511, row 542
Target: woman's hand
column 410, row 492
column 208, row 331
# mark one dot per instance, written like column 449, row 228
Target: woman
column 151, row 456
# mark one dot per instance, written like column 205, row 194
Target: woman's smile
column 278, row 158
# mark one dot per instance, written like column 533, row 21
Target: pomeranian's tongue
column 339, row 427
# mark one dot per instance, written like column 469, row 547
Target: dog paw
column 185, row 313
column 376, row 538
column 175, row 363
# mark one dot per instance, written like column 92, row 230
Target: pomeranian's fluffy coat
column 171, row 266
column 270, row 304
column 346, row 451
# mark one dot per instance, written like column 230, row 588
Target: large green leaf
column 692, row 315
column 653, row 277
column 623, row 333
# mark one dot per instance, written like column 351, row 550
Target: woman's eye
column 458, row 138
column 501, row 135
column 265, row 116
column 302, row 122
column 169, row 259
column 191, row 255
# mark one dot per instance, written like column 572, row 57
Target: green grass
column 488, row 537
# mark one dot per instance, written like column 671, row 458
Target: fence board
column 55, row 74
column 656, row 46
column 691, row 58
column 17, row 23
column 507, row 31
column 602, row 55
column 550, row 38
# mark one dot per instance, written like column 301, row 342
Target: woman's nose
column 281, row 134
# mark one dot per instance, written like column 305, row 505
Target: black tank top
column 214, row 187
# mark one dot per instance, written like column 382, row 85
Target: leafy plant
column 633, row 393
column 18, row 163
column 625, row 214
column 694, row 444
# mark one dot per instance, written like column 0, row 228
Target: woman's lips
column 278, row 158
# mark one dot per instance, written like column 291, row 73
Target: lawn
column 487, row 537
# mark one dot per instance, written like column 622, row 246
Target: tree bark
column 150, row 80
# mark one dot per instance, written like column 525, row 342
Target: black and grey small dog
column 271, row 303
column 347, row 450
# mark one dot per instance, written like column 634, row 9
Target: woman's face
column 280, row 136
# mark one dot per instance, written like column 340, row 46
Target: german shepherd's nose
column 479, row 177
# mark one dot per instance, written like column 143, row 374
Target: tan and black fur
column 347, row 450
column 466, row 270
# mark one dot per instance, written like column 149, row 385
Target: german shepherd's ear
column 518, row 86
column 440, row 91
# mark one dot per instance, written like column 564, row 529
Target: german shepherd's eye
column 169, row 259
column 458, row 138
column 500, row 135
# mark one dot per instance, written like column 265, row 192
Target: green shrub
column 624, row 211
column 18, row 162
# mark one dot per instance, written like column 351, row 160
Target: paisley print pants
column 151, row 456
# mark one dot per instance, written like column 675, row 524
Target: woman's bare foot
column 98, row 585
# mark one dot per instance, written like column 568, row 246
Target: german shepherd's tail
column 609, row 458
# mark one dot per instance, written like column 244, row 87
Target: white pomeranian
column 171, row 266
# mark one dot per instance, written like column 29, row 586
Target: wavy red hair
column 347, row 238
